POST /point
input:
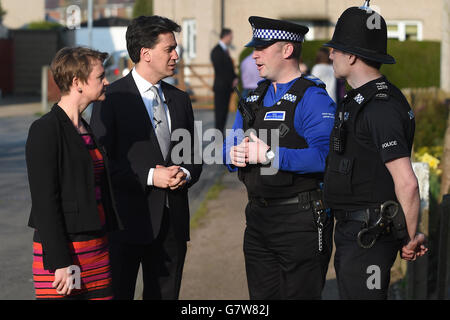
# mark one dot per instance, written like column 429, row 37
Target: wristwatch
column 270, row 155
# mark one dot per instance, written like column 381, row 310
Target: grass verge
column 213, row 193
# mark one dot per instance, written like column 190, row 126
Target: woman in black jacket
column 72, row 202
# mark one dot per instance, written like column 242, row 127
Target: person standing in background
column 323, row 69
column 249, row 75
column 224, row 78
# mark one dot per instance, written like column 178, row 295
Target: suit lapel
column 142, row 113
column 172, row 106
column 68, row 127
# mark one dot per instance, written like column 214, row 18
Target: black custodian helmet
column 362, row 32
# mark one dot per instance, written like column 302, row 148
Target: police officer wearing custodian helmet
column 369, row 181
column 288, row 238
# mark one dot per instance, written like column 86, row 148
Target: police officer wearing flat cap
column 369, row 181
column 288, row 237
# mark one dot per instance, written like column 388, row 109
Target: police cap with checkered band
column 268, row 31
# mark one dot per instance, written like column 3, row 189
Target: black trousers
column 281, row 250
column 162, row 265
column 363, row 273
column 221, row 103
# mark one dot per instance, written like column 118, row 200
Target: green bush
column 309, row 52
column 2, row 12
column 431, row 123
column 431, row 117
column 143, row 8
column 418, row 70
column 418, row 62
column 44, row 25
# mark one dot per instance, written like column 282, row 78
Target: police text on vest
column 389, row 144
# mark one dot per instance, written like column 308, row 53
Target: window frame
column 400, row 34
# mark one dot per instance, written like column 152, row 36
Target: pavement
column 19, row 106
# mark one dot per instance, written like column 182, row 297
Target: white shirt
column 325, row 73
column 148, row 97
column 223, row 46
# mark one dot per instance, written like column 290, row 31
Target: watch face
column 270, row 155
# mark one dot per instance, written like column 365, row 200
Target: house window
column 129, row 12
column 405, row 30
column 189, row 39
column 114, row 11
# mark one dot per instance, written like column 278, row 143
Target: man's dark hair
column 143, row 32
column 370, row 63
column 225, row 32
column 297, row 52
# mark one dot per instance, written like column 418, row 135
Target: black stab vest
column 283, row 184
column 358, row 178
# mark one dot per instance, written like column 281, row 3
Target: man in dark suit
column 224, row 78
column 134, row 124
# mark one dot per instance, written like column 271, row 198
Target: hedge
column 418, row 62
column 44, row 25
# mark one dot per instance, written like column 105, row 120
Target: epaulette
column 256, row 94
column 382, row 88
column 316, row 80
column 382, row 96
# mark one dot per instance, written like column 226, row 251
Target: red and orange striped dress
column 89, row 252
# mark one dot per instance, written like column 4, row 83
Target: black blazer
column 62, row 186
column 223, row 69
column 123, row 126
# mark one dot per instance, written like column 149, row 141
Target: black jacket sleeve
column 195, row 169
column 224, row 73
column 103, row 125
column 41, row 153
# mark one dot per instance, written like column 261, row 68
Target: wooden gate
column 199, row 78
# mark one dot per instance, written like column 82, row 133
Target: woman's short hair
column 71, row 62
column 143, row 32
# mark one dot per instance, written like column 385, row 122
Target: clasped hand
column 172, row 177
column 414, row 248
column 249, row 151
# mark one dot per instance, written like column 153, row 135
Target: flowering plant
column 431, row 155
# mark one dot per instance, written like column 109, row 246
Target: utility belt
column 389, row 217
column 305, row 200
column 367, row 216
